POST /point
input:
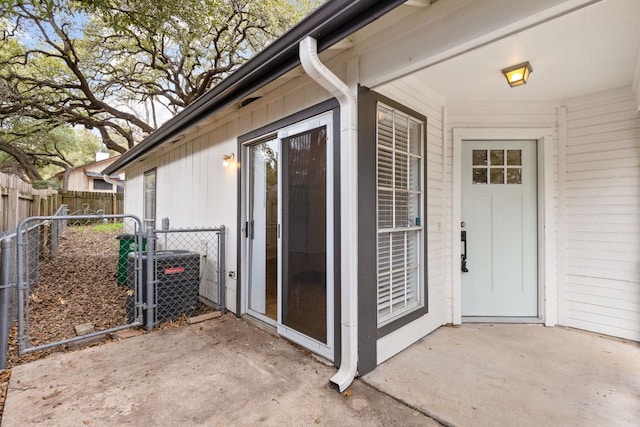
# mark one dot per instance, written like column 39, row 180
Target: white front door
column 499, row 219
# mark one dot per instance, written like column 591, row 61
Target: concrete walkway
column 219, row 373
column 517, row 375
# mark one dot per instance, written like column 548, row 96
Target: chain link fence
column 44, row 239
column 72, row 278
column 191, row 260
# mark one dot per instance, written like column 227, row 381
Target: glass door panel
column 304, row 244
column 263, row 229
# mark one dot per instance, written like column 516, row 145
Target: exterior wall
column 79, row 181
column 430, row 105
column 497, row 115
column 601, row 222
column 193, row 188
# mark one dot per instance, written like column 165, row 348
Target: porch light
column 518, row 75
column 227, row 159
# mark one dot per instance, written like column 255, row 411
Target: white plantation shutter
column 399, row 213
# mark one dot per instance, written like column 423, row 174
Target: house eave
column 330, row 23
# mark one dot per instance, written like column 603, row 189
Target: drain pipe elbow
column 317, row 71
column 112, row 181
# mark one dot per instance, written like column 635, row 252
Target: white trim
column 561, row 219
column 445, row 197
column 635, row 86
column 487, row 319
column 546, row 251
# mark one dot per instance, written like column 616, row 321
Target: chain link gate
column 76, row 283
column 189, row 272
column 69, row 278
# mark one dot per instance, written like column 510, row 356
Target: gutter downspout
column 348, row 207
column 111, row 181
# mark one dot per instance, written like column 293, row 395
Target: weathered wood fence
column 19, row 200
column 89, row 202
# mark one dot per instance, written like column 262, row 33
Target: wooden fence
column 19, row 200
column 89, row 202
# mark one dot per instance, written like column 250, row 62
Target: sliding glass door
column 262, row 229
column 304, row 278
column 290, row 233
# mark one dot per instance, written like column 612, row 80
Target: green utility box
column 127, row 245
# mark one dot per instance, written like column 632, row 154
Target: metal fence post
column 5, row 284
column 151, row 301
column 221, row 269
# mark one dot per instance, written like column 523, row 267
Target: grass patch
column 109, row 227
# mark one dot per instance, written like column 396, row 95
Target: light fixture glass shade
column 227, row 159
column 518, row 74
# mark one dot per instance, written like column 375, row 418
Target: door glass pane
column 263, row 229
column 514, row 176
column 479, row 157
column 514, row 157
column 497, row 175
column 497, row 157
column 479, row 175
column 304, row 287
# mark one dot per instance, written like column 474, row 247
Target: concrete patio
column 229, row 372
column 222, row 372
column 517, row 375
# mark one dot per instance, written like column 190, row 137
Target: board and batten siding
column 430, row 105
column 602, row 208
column 193, row 188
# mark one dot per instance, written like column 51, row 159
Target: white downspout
column 111, row 181
column 348, row 207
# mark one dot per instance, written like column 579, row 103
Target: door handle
column 463, row 263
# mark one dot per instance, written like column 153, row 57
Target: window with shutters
column 400, row 213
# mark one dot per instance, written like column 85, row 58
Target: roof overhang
column 330, row 23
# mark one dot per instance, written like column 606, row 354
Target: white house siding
column 602, row 225
column 193, row 188
column 430, row 105
column 499, row 115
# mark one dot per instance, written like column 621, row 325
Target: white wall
column 601, row 226
column 194, row 189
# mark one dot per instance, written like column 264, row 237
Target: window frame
column 399, row 183
column 105, row 185
column 150, row 216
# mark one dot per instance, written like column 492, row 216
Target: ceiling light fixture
column 518, row 75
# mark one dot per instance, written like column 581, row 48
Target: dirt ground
column 77, row 285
